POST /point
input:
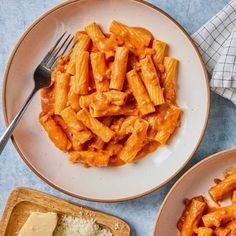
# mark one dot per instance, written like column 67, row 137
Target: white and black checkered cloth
column 216, row 41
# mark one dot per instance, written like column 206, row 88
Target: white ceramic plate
column 196, row 181
column 111, row 184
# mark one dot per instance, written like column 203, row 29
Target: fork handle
column 8, row 132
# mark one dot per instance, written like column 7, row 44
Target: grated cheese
column 76, row 226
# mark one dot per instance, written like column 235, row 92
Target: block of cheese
column 39, row 224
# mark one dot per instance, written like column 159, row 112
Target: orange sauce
column 107, row 45
column 112, row 41
column 47, row 99
column 151, row 146
column 115, row 161
column 146, row 33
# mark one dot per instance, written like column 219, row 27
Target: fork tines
column 58, row 50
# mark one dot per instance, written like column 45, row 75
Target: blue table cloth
column 17, row 15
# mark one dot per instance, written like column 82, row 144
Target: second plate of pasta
column 132, row 96
column 202, row 202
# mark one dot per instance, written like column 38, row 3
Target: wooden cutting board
column 22, row 201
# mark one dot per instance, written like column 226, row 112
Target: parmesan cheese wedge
column 39, row 224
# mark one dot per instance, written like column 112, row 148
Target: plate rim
column 40, row 175
column 194, row 167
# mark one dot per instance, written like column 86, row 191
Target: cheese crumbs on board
column 75, row 226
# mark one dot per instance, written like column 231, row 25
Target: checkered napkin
column 216, row 41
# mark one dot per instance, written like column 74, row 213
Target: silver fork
column 42, row 79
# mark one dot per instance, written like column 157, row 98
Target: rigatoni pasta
column 55, row 133
column 144, row 103
column 97, row 127
column 82, row 44
column 113, row 96
column 98, row 64
column 151, row 81
column 73, row 98
column 193, row 217
column 168, row 80
column 226, row 186
column 135, row 141
column 81, row 81
column 119, row 68
column 201, row 217
column 90, row 158
column 78, row 130
column 95, row 33
column 160, row 52
column 204, row 231
column 61, row 91
column 133, row 37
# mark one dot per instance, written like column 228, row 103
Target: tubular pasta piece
column 226, row 186
column 113, row 97
column 55, row 133
column 119, row 68
column 73, row 98
column 232, row 227
column 77, row 146
column 94, row 32
column 125, row 128
column 95, row 125
column 86, row 100
column 145, row 34
column 135, row 142
column 186, row 210
column 144, row 103
column 90, row 158
column 99, row 71
column 162, row 137
column 81, row 82
column 221, row 231
column 203, row 231
column 82, row 44
column 61, row 90
column 193, row 218
column 78, row 129
column 223, row 214
column 227, row 230
column 169, row 79
column 102, row 100
column 98, row 143
column 111, row 110
column 134, row 36
column 169, row 124
column 160, row 48
column 151, row 81
column 107, row 104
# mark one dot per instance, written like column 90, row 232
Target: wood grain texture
column 22, row 201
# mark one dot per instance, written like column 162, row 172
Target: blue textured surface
column 17, row 15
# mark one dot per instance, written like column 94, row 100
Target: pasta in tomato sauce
column 113, row 97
